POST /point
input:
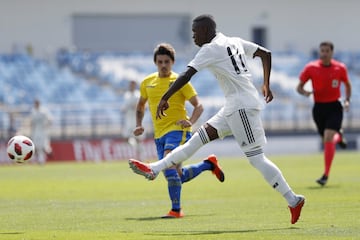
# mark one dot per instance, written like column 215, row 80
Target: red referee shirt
column 326, row 80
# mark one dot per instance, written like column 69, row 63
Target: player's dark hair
column 206, row 19
column 327, row 44
column 164, row 49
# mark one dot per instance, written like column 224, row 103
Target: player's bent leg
column 177, row 156
column 210, row 163
column 183, row 152
column 342, row 140
column 192, row 171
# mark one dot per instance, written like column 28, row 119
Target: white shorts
column 245, row 125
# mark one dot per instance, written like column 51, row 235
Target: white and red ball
column 20, row 149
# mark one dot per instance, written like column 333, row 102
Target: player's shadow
column 11, row 233
column 323, row 187
column 198, row 233
column 157, row 218
column 144, row 219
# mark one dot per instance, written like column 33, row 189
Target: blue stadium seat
column 88, row 79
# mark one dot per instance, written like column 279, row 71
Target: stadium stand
column 84, row 90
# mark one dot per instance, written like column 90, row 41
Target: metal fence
column 105, row 120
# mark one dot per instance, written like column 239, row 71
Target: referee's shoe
column 343, row 142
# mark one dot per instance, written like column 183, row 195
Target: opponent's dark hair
column 206, row 19
column 164, row 49
column 328, row 44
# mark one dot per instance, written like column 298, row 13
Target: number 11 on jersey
column 235, row 63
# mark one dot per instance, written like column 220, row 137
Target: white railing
column 100, row 120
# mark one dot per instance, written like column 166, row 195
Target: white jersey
column 129, row 109
column 225, row 57
column 40, row 122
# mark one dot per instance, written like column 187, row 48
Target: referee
column 326, row 75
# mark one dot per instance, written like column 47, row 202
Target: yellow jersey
column 152, row 88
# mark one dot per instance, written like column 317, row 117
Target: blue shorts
column 170, row 141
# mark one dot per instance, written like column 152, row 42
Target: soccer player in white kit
column 240, row 116
column 40, row 121
column 128, row 108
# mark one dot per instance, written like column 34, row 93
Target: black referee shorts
column 328, row 116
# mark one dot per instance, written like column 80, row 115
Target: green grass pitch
column 108, row 201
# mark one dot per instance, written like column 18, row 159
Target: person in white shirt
column 240, row 116
column 40, row 122
column 128, row 109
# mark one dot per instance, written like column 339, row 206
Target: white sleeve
column 249, row 48
column 202, row 59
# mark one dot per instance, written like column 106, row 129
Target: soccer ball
column 20, row 149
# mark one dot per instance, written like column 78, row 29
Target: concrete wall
column 47, row 24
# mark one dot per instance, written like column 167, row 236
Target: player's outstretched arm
column 182, row 79
column 196, row 113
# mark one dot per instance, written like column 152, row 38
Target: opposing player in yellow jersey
column 174, row 130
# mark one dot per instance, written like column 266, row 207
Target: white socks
column 179, row 154
column 272, row 175
column 268, row 169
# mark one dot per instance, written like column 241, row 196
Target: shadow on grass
column 158, row 218
column 323, row 187
column 11, row 233
column 218, row 232
column 195, row 233
column 144, row 219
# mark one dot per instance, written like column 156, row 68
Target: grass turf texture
column 108, row 201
